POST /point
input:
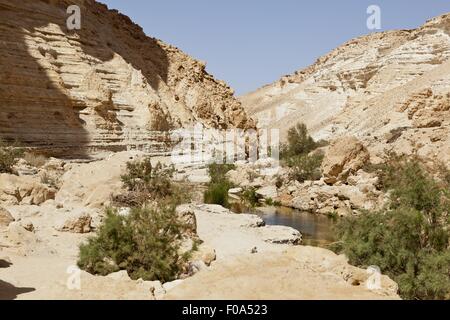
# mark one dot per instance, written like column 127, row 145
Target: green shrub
column 9, row 155
column 143, row 176
column 277, row 204
column 296, row 155
column 299, row 142
column 444, row 174
column 217, row 192
column 250, row 198
column 305, row 167
column 273, row 203
column 146, row 244
column 145, row 183
column 409, row 239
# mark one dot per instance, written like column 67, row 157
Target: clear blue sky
column 249, row 43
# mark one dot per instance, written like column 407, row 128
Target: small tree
column 299, row 142
column 296, row 154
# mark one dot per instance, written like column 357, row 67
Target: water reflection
column 317, row 230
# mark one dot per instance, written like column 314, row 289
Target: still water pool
column 316, row 229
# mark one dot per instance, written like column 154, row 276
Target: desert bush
column 145, row 182
column 296, row 154
column 35, row 160
column 408, row 239
column 218, row 172
column 250, row 198
column 305, row 167
column 444, row 174
column 141, row 175
column 299, row 142
column 9, row 155
column 146, row 243
column 217, row 191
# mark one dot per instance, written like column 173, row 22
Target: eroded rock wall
column 105, row 86
column 388, row 89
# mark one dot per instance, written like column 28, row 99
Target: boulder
column 359, row 194
column 267, row 192
column 92, row 184
column 5, row 217
column 280, row 235
column 23, row 190
column 17, row 235
column 344, row 156
column 77, row 221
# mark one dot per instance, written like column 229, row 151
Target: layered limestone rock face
column 390, row 90
column 105, row 86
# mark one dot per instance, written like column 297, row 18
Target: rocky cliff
column 105, row 86
column 390, row 89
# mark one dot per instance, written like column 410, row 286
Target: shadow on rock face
column 40, row 107
column 10, row 292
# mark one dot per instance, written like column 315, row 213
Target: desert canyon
column 89, row 101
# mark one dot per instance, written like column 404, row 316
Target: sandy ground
column 276, row 271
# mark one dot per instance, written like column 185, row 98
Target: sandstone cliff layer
column 105, row 86
column 390, row 89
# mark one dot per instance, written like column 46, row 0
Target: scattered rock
column 267, row 192
column 280, row 235
column 78, row 221
column 23, row 190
